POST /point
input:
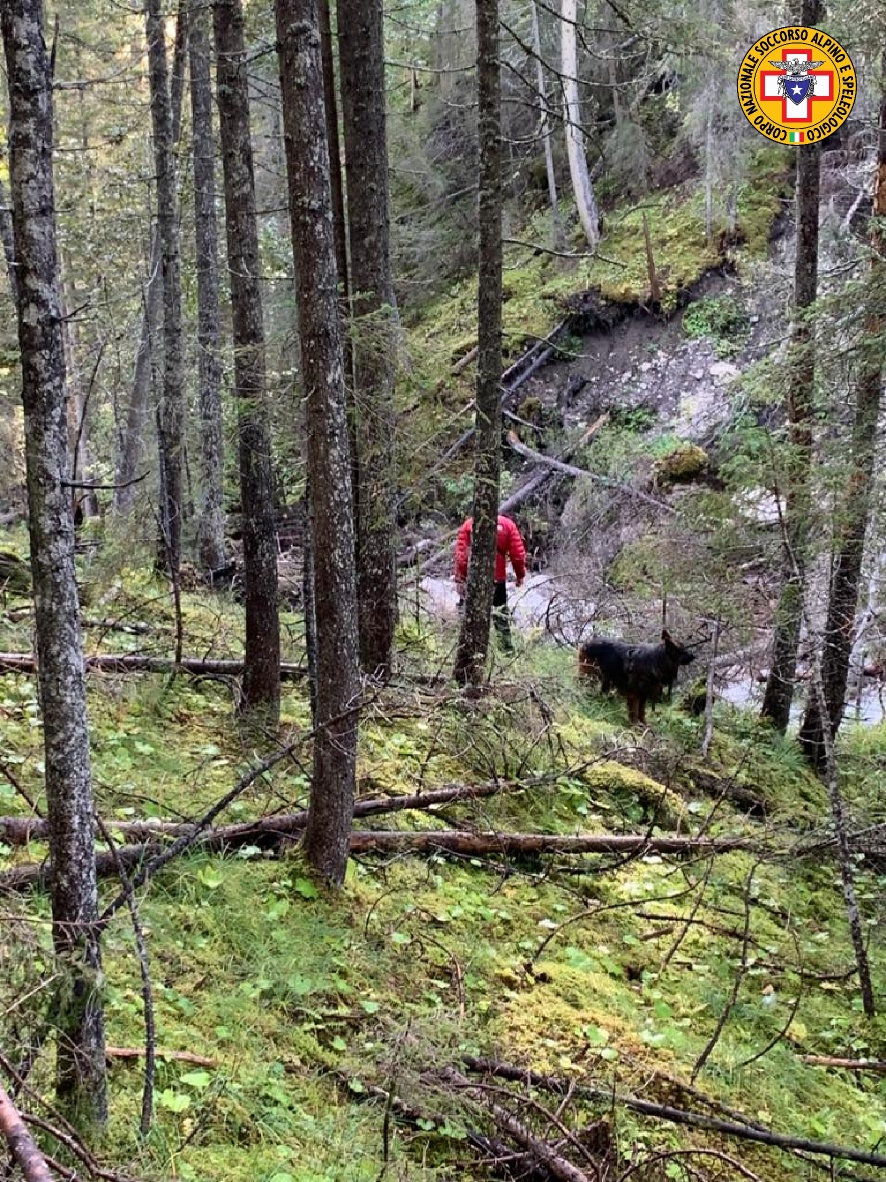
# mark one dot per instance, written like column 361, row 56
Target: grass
column 616, row 976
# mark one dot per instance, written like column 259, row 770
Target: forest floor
column 336, row 1037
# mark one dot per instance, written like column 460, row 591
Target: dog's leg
column 641, row 710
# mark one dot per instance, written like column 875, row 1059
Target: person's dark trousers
column 501, row 618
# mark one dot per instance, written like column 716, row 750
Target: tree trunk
column 473, row 640
column 170, row 418
column 853, row 517
column 329, row 476
column 545, row 125
column 779, row 691
column 261, row 680
column 7, row 237
column 582, row 189
column 80, row 1073
column 131, row 438
column 131, row 445
column 374, row 328
column 210, row 515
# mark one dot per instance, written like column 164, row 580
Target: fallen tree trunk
column 546, row 468
column 18, row 831
column 570, row 470
column 385, row 841
column 133, row 663
column 456, row 841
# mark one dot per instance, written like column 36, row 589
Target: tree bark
column 80, row 1069
column 545, row 128
column 8, row 239
column 261, row 680
column 329, row 477
column 131, row 438
column 473, row 640
column 852, row 522
column 210, row 515
column 170, row 418
column 582, row 189
column 779, row 691
column 374, row 336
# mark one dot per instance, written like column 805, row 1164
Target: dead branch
column 667, row 1112
column 177, row 1056
column 21, row 1144
column 112, row 663
column 141, row 949
column 570, row 470
column 875, row 1065
column 465, row 361
column 558, row 1166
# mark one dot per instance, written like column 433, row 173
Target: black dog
column 639, row 672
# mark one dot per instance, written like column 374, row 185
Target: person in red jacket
column 508, row 545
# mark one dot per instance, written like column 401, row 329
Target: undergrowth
column 305, row 1007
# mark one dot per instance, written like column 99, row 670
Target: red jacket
column 508, row 544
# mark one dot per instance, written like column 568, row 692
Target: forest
column 442, row 644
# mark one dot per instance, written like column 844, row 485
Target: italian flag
column 796, row 137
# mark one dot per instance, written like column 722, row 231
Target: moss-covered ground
column 613, row 973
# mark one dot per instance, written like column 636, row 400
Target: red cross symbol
column 796, row 112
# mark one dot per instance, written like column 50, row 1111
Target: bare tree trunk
column 779, row 691
column 582, row 189
column 327, row 835
column 170, row 419
column 7, row 237
column 210, row 516
column 131, row 445
column 80, row 1072
column 84, row 501
column 131, row 438
column 261, row 680
column 852, row 522
column 374, row 324
column 546, row 130
column 473, row 640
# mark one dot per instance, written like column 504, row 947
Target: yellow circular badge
column 796, row 85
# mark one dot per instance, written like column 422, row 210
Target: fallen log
column 536, row 480
column 18, row 831
column 385, row 841
column 457, row 841
column 134, row 663
column 571, row 470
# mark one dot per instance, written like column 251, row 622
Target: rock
column 723, row 370
column 685, row 463
column 645, row 367
column 698, row 374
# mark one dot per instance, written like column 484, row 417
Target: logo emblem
column 796, row 85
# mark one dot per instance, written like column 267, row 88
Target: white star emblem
column 797, row 89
